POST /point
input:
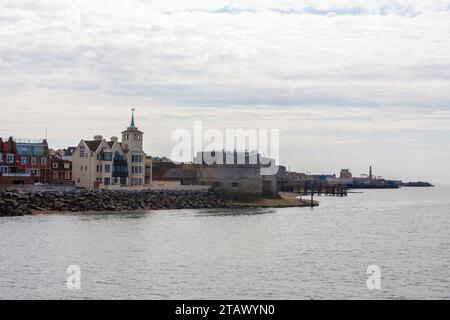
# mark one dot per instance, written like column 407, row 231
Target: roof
column 69, row 151
column 93, row 144
column 132, row 125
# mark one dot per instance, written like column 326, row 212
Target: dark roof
column 93, row 144
column 69, row 151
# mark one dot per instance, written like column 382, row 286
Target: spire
column 132, row 126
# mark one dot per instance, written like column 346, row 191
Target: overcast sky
column 348, row 83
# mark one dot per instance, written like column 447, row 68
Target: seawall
column 17, row 202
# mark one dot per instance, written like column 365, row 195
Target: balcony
column 120, row 169
column 16, row 174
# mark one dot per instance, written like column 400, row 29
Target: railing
column 120, row 174
column 16, row 174
column 33, row 141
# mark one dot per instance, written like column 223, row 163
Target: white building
column 110, row 164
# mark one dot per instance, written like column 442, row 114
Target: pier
column 307, row 188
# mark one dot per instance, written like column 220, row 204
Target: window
column 117, row 156
column 1, row 157
column 66, row 165
column 235, row 184
column 55, row 165
column 99, row 168
column 23, row 160
column 126, row 136
column 107, row 181
column 81, row 168
column 136, row 169
column 43, row 161
column 55, row 175
column 33, row 161
column 10, row 158
column 136, row 181
column 216, row 184
column 4, row 169
column 82, row 151
column 67, row 175
column 78, row 180
column 136, row 158
column 137, row 136
column 104, row 156
column 34, row 172
column 107, row 168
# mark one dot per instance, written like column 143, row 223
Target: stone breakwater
column 22, row 202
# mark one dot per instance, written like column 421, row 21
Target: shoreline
column 15, row 202
column 256, row 204
column 286, row 200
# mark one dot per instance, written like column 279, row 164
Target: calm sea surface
column 292, row 253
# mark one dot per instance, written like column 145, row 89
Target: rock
column 13, row 202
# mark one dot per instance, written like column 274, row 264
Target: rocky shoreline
column 16, row 202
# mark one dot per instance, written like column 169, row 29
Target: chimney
column 98, row 138
column 114, row 139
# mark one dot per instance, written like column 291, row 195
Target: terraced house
column 24, row 161
column 102, row 164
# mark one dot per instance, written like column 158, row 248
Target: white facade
column 110, row 164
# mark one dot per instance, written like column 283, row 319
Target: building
column 148, row 170
column 290, row 181
column 159, row 168
column 99, row 163
column 235, row 173
column 60, row 170
column 183, row 174
column 24, row 161
column 65, row 154
column 346, row 174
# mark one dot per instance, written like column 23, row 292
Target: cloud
column 339, row 72
column 176, row 52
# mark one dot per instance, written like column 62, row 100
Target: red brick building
column 24, row 161
column 60, row 171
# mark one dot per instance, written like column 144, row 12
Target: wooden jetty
column 320, row 189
